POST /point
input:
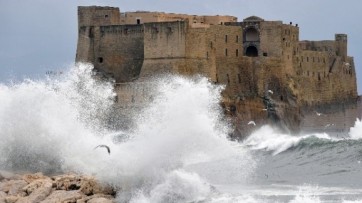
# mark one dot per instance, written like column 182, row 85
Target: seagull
column 271, row 92
column 105, row 146
column 252, row 123
column 264, row 109
column 318, row 114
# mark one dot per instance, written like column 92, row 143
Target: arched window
column 252, row 35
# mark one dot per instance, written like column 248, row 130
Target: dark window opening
column 239, row 78
column 210, row 44
column 207, row 55
column 226, row 38
column 100, row 59
column 138, row 21
column 319, row 76
column 252, row 35
column 237, row 52
column 226, row 52
column 237, row 38
column 281, row 98
column 105, row 16
column 251, row 51
column 308, row 73
column 265, row 54
column 227, row 75
column 169, row 29
column 307, row 59
column 126, row 31
column 90, row 34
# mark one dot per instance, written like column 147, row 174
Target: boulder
column 38, row 190
column 100, row 200
column 12, row 187
column 63, row 196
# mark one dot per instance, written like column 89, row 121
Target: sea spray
column 180, row 138
column 43, row 122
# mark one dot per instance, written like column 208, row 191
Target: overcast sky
column 41, row 35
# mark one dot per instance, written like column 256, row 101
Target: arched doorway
column 251, row 51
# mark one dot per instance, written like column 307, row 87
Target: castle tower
column 341, row 46
column 97, row 16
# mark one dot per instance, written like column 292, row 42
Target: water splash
column 180, row 139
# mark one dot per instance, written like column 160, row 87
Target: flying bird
column 251, row 123
column 105, row 146
column 271, row 92
column 318, row 114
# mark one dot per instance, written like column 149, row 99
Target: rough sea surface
column 178, row 150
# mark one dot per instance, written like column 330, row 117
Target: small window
column 207, row 54
column 239, row 78
column 100, row 59
column 211, row 45
column 265, row 54
column 169, row 29
column 138, row 21
column 307, row 59
column 237, row 52
column 226, row 52
column 227, row 76
column 226, row 38
column 105, row 16
column 237, row 38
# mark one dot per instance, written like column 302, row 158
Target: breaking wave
column 173, row 154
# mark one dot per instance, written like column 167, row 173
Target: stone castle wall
column 251, row 58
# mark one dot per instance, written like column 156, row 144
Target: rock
column 38, row 190
column 87, row 198
column 16, row 187
column 63, row 196
column 32, row 177
column 11, row 199
column 2, row 197
column 67, row 182
column 12, row 187
column 100, row 200
column 90, row 186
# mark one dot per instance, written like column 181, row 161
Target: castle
column 269, row 74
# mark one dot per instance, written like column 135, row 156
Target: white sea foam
column 356, row 131
column 56, row 124
column 271, row 139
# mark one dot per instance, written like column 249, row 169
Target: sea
column 175, row 150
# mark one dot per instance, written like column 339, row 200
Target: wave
column 270, row 139
column 54, row 126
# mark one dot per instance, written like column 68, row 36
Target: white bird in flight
column 271, row 92
column 251, row 123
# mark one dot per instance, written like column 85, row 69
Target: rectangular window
column 237, row 52
column 227, row 75
column 239, row 78
column 226, row 38
column 226, row 52
column 237, row 38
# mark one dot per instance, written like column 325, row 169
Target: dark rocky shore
column 65, row 188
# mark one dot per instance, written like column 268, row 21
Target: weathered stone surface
column 100, row 200
column 34, row 188
column 12, row 187
column 2, row 197
column 90, row 186
column 68, row 188
column 38, row 191
column 63, row 196
column 31, row 177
